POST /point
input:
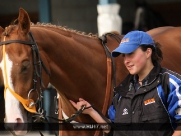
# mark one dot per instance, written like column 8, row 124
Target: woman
column 147, row 102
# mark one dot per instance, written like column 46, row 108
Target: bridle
column 28, row 104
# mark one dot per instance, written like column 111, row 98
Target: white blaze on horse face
column 14, row 114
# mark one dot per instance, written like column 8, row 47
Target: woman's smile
column 129, row 67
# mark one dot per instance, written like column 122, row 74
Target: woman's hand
column 81, row 103
column 94, row 114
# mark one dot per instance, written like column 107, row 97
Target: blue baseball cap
column 131, row 41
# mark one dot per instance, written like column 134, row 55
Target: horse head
column 21, row 63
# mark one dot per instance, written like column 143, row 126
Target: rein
column 73, row 116
column 110, row 70
column 43, row 118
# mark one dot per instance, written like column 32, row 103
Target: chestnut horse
column 74, row 63
column 170, row 39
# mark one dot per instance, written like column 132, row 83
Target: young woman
column 148, row 101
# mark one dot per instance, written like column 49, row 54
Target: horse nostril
column 19, row 120
column 19, row 125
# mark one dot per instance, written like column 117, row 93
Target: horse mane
column 13, row 24
column 64, row 28
column 8, row 30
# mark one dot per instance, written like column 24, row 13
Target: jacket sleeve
column 174, row 98
column 111, row 113
column 112, row 109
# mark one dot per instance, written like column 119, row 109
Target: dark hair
column 156, row 52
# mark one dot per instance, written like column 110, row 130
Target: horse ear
column 23, row 21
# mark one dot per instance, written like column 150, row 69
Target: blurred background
column 82, row 15
column 92, row 16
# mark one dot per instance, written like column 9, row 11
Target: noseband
column 28, row 104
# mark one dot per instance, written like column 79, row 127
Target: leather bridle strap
column 25, row 102
column 108, row 83
column 28, row 104
column 32, row 42
column 16, row 41
column 110, row 71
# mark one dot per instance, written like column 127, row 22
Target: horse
column 76, row 64
column 170, row 38
column 73, row 62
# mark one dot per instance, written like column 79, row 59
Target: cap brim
column 125, row 49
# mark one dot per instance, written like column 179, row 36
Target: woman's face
column 137, row 61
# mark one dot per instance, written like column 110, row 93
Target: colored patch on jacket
column 149, row 101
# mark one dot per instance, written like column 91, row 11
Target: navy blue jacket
column 151, row 109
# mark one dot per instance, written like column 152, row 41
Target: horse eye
column 23, row 68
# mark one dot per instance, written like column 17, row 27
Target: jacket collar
column 127, row 83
